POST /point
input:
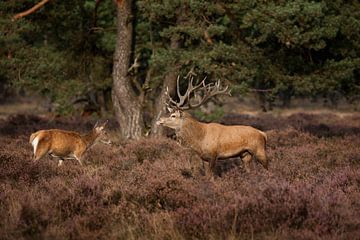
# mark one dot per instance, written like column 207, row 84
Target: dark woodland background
column 57, row 71
column 277, row 49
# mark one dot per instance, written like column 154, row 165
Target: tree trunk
column 128, row 110
column 170, row 84
column 160, row 109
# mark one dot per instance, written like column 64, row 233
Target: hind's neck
column 90, row 138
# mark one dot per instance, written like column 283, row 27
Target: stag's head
column 174, row 121
column 195, row 96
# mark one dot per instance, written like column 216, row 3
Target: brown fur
column 64, row 144
column 213, row 141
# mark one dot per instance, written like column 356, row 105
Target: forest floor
column 156, row 189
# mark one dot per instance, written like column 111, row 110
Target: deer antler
column 208, row 91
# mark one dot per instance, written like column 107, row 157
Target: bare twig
column 30, row 11
column 261, row 90
column 207, row 37
column 135, row 65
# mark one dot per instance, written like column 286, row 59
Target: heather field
column 156, row 189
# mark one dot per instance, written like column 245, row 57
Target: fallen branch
column 30, row 11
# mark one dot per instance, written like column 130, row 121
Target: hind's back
column 62, row 142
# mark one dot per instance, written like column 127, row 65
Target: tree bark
column 170, row 84
column 128, row 110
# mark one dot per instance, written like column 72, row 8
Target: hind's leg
column 261, row 157
column 41, row 149
column 60, row 162
column 78, row 155
column 78, row 158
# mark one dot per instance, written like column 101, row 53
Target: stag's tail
column 264, row 135
column 261, row 154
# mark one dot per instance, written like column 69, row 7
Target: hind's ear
column 100, row 126
column 105, row 123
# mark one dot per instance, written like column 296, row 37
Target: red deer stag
column 66, row 144
column 213, row 141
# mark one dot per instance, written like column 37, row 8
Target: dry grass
column 153, row 189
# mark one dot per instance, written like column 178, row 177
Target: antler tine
column 209, row 91
column 178, row 105
column 201, row 84
column 170, row 102
column 178, row 85
column 212, row 89
column 184, row 99
column 189, row 89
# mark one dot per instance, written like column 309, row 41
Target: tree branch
column 97, row 4
column 30, row 11
column 261, row 90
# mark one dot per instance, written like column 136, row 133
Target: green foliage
column 60, row 51
column 201, row 30
column 309, row 45
column 215, row 115
column 288, row 48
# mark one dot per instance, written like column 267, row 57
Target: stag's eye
column 172, row 116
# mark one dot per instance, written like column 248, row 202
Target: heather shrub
column 153, row 189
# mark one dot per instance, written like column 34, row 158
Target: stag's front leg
column 197, row 164
column 212, row 166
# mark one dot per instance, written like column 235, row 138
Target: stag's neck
column 191, row 133
column 90, row 138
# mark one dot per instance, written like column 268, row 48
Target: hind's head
column 100, row 132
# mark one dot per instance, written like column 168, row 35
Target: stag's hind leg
column 261, row 157
column 247, row 157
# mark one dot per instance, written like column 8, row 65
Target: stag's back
column 226, row 141
column 236, row 134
